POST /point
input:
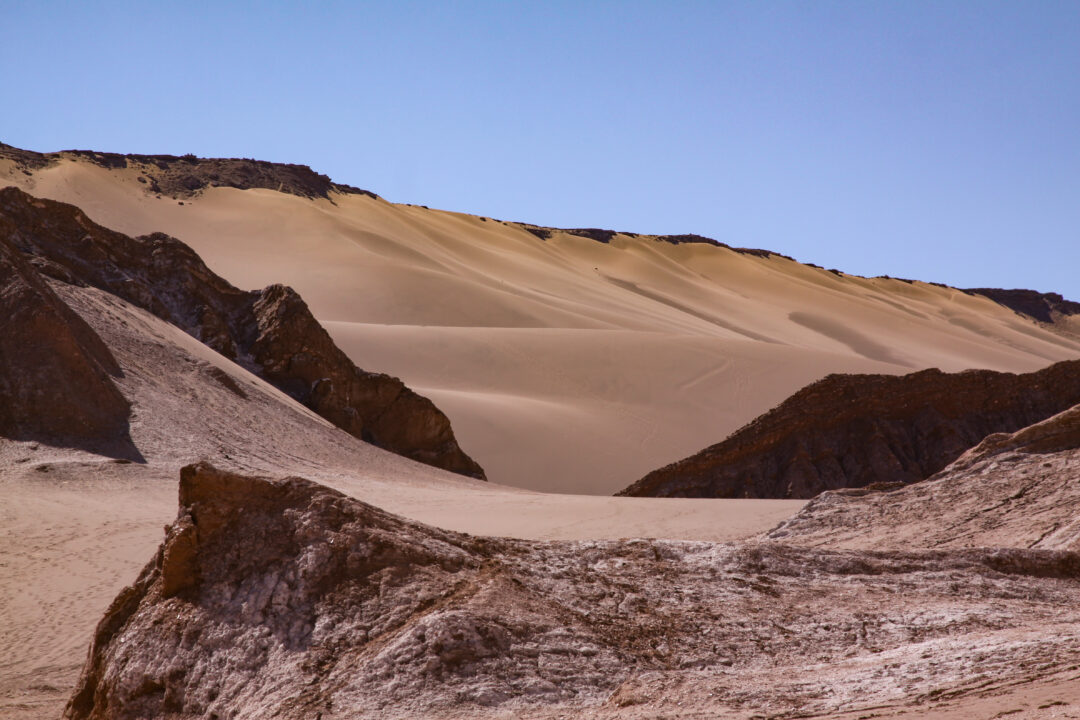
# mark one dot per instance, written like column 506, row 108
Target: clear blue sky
column 933, row 140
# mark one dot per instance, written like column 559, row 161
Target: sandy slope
column 565, row 365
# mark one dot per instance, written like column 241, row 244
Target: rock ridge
column 187, row 175
column 848, row 431
column 1015, row 488
column 271, row 332
column 605, row 236
column 1032, row 303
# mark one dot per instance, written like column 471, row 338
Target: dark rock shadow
column 56, row 373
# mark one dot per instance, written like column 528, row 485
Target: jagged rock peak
column 854, row 430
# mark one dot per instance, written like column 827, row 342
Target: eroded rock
column 1044, row 307
column 849, row 431
column 57, row 380
column 271, row 332
column 186, row 175
column 283, row 598
column 1018, row 489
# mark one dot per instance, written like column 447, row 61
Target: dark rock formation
column 271, row 332
column 1036, row 305
column 854, row 430
column 186, row 175
column 1020, row 489
column 26, row 159
column 296, row 354
column 604, row 236
column 55, row 372
column 285, row 599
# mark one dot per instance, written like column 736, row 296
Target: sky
column 936, row 140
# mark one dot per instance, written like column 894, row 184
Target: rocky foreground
column 283, row 598
column 850, row 431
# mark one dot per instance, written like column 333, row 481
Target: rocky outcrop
column 848, row 431
column 271, row 332
column 295, row 353
column 283, row 598
column 605, row 236
column 1018, row 489
column 57, row 375
column 1036, row 305
column 187, row 175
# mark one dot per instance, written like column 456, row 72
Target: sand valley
column 384, row 443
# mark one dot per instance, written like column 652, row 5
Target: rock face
column 186, row 175
column 1020, row 489
column 271, row 332
column 282, row 598
column 56, row 383
column 848, row 431
column 1036, row 305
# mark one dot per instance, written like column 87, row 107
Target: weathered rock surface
column 1044, row 307
column 849, row 431
column 271, row 332
column 1017, row 489
column 57, row 380
column 283, row 598
column 187, row 175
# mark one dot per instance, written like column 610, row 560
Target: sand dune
column 565, row 365
column 686, row 342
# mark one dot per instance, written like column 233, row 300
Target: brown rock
column 309, row 602
column 848, row 431
column 605, row 236
column 179, row 557
column 1043, row 307
column 271, row 332
column 1018, row 489
column 187, row 175
column 56, row 383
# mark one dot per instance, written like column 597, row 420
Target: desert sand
column 565, row 365
column 77, row 527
